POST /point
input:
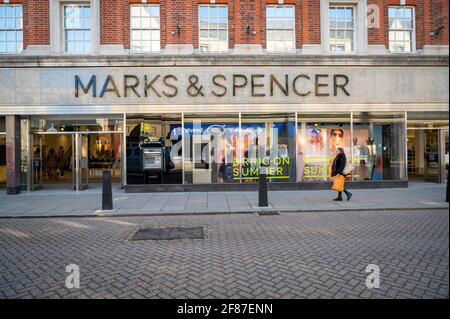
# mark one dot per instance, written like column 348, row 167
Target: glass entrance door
column 432, row 155
column 80, row 179
column 36, row 163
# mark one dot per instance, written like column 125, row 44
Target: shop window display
column 268, row 142
column 211, row 145
column 318, row 137
column 379, row 146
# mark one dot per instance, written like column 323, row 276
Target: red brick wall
column 436, row 21
column 311, row 22
column 111, row 21
column 379, row 36
column 36, row 22
column 431, row 16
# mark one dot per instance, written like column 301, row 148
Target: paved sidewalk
column 307, row 255
column 88, row 203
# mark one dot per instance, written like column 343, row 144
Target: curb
column 100, row 213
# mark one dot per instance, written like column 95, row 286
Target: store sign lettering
column 254, row 85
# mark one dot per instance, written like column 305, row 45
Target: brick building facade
column 246, row 22
column 201, row 95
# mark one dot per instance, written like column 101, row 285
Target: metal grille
column 268, row 213
column 168, row 233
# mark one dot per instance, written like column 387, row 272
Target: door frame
column 441, row 149
column 76, row 153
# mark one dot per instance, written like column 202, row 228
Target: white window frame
column 57, row 26
column 199, row 29
column 63, row 6
column 360, row 44
column 131, row 28
column 344, row 29
column 294, row 41
column 14, row 5
column 413, row 31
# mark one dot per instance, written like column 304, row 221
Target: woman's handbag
column 348, row 168
column 338, row 183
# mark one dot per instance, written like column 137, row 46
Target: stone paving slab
column 308, row 255
column 88, row 203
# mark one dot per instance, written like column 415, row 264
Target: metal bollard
column 107, row 201
column 446, row 196
column 262, row 189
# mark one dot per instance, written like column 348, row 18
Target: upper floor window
column 342, row 28
column 145, row 28
column 280, row 25
column 401, row 29
column 213, row 28
column 77, row 28
column 11, row 28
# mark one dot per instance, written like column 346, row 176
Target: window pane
column 154, row 23
column 155, row 46
column 87, row 47
column 349, row 35
column 135, row 23
column 223, row 11
column 69, row 35
column 146, row 12
column 10, row 47
column 78, row 35
column 154, row 11
column 146, row 35
column 223, row 35
column 18, row 23
column 10, row 36
column 203, row 34
column 136, row 35
column 203, row 11
column 87, row 23
column 135, row 11
column 9, row 11
column 10, row 23
column 213, row 34
column 155, row 35
column 145, row 23
column 270, row 11
column 213, row 26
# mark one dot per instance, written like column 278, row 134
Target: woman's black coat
column 339, row 164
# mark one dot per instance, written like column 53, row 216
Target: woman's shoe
column 338, row 199
column 349, row 195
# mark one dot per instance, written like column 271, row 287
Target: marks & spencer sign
column 256, row 85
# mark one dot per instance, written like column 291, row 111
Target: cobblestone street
column 292, row 255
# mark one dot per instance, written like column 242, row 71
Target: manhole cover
column 268, row 213
column 165, row 233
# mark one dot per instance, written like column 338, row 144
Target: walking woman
column 338, row 169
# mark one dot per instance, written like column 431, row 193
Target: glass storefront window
column 318, row 137
column 154, row 149
column 268, row 140
column 2, row 159
column 53, row 124
column 211, row 144
column 379, row 146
